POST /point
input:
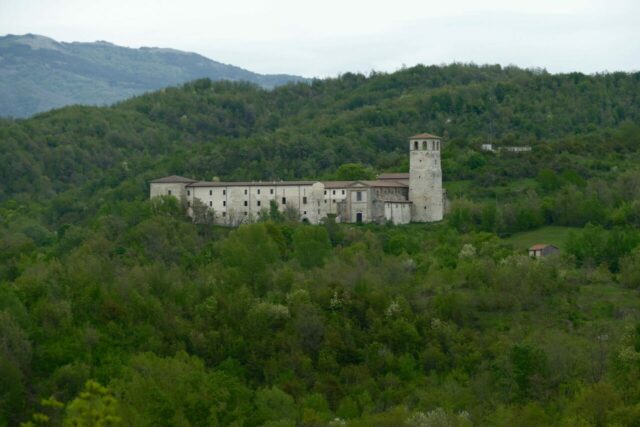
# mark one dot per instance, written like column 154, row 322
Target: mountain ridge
column 38, row 73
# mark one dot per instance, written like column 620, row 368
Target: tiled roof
column 173, row 179
column 249, row 183
column 539, row 246
column 424, row 136
column 394, row 175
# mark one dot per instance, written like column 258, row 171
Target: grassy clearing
column 551, row 235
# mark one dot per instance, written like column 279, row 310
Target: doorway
column 359, row 217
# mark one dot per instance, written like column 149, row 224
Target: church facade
column 399, row 198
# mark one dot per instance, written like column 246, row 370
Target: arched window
column 415, row 145
column 424, row 145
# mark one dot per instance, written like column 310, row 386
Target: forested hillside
column 119, row 309
column 39, row 73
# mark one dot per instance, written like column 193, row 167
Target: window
column 304, row 200
column 334, row 192
column 415, row 145
column 224, row 203
column 245, row 191
column 359, row 196
column 169, row 192
column 224, row 192
column 258, row 202
column 258, row 191
column 246, row 203
column 325, row 192
column 343, row 192
column 305, row 212
column 284, row 200
column 271, row 191
column 245, row 213
column 210, row 203
column 224, row 214
column 424, row 145
column 188, row 204
column 325, row 202
column 188, row 192
column 211, row 192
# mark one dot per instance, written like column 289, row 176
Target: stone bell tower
column 425, row 178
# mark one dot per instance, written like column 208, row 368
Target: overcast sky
column 328, row 37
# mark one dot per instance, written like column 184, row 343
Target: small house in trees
column 542, row 250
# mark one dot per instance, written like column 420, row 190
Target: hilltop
column 38, row 73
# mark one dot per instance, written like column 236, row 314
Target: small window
column 189, row 204
column 284, row 200
column 211, row 192
column 224, row 192
column 258, row 202
column 343, row 192
column 334, row 192
column 246, row 203
column 224, row 214
column 325, row 202
column 169, row 192
column 188, row 192
column 305, row 212
column 415, row 145
column 359, row 196
column 224, row 203
column 424, row 145
column 304, row 200
column 245, row 191
column 325, row 192
column 210, row 203
column 271, row 191
column 258, row 191
column 245, row 213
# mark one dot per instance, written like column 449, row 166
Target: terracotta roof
column 173, row 179
column 540, row 246
column 394, row 175
column 249, row 183
column 337, row 184
column 424, row 136
column 385, row 183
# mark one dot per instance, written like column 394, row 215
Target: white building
column 397, row 197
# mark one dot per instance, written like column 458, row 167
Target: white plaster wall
column 398, row 213
column 158, row 189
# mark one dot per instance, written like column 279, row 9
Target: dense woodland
column 117, row 310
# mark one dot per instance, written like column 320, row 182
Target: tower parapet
column 425, row 178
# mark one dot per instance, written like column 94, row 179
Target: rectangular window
column 188, row 192
column 224, row 203
column 359, row 196
column 210, row 203
column 334, row 192
column 304, row 200
column 169, row 192
column 245, row 191
column 245, row 213
column 305, row 212
column 258, row 191
column 284, row 200
column 258, row 202
column 271, row 191
column 246, row 203
column 224, row 214
column 325, row 192
column 343, row 192
column 224, row 192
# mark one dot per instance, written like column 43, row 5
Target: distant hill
column 38, row 73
